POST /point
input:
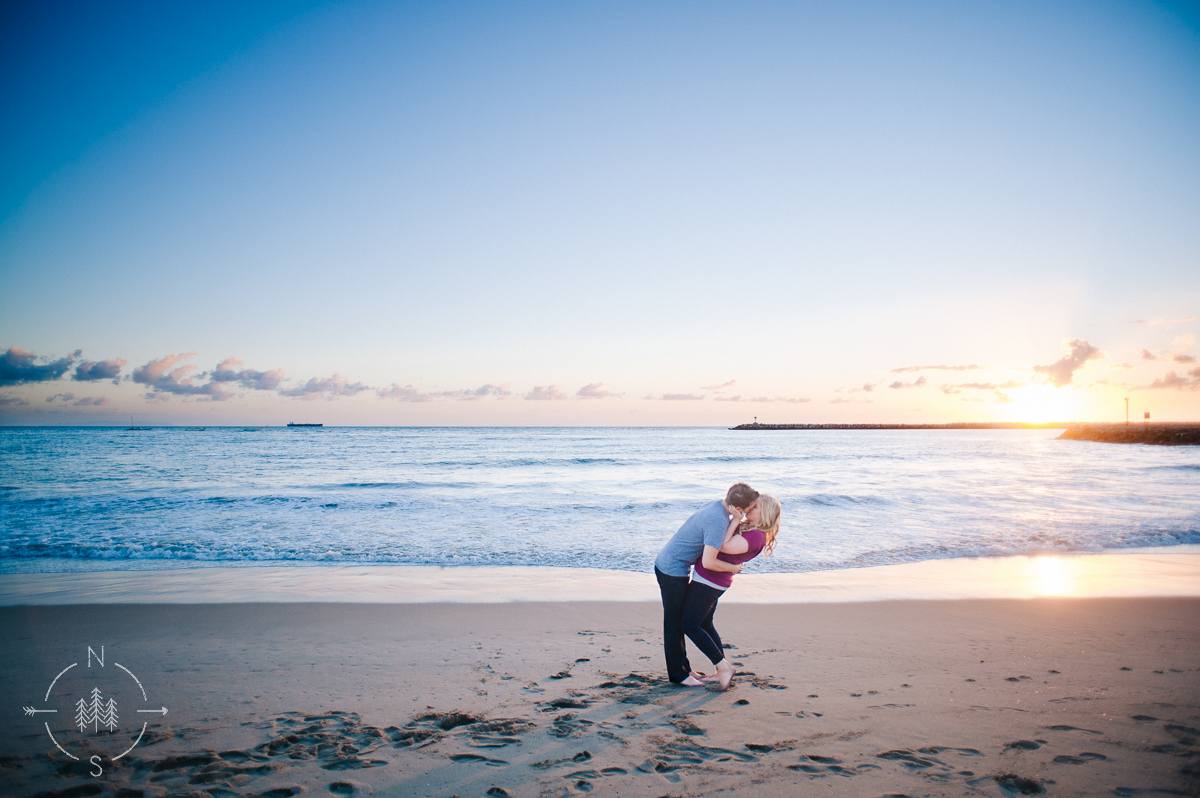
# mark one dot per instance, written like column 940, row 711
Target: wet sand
column 1165, row 571
column 1070, row 696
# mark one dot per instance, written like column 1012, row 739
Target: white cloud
column 546, row 393
column 907, row 369
column 1190, row 382
column 329, row 387
column 594, row 390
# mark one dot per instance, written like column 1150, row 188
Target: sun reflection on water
column 1053, row 577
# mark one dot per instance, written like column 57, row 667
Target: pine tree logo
column 98, row 712
column 78, row 721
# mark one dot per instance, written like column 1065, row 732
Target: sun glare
column 1052, row 577
column 1041, row 403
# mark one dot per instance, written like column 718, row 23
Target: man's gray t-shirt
column 706, row 527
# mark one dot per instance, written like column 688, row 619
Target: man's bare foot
column 692, row 681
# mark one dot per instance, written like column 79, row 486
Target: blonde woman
column 742, row 543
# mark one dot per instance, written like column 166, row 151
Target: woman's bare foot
column 725, row 673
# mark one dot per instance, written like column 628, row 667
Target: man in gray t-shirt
column 705, row 528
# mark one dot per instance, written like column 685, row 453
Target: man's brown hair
column 741, row 496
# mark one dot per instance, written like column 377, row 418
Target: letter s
column 96, row 762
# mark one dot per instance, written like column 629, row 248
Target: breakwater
column 959, row 425
column 1155, row 434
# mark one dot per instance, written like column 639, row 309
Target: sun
column 1036, row 404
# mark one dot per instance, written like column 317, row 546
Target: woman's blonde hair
column 769, row 511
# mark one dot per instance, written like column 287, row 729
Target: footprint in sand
column 762, row 682
column 565, row 703
column 477, row 758
column 910, row 760
column 569, row 725
column 583, row 778
column 679, row 755
column 217, row 772
column 937, row 749
column 1072, row 728
column 1012, row 784
column 686, row 726
column 546, row 764
column 821, row 766
column 1086, row 756
column 480, row 732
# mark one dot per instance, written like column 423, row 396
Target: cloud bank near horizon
column 177, row 375
column 20, row 366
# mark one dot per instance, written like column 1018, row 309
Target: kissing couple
column 696, row 567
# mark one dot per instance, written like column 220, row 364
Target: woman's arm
column 733, row 542
column 709, row 559
column 735, row 545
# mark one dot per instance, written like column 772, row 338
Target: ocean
column 107, row 498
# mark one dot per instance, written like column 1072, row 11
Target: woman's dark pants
column 699, row 606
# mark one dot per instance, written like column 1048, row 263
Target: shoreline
column 1160, row 571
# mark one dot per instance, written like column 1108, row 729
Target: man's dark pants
column 674, row 591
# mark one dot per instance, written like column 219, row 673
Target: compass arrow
column 30, row 711
column 162, row 711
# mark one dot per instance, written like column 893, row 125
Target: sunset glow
column 1038, row 404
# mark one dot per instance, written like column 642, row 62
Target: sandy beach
column 1062, row 696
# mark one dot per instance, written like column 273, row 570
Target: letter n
column 99, row 657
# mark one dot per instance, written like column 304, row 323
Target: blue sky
column 599, row 213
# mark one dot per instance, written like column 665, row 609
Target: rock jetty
column 1156, row 434
column 1174, row 434
column 960, row 425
